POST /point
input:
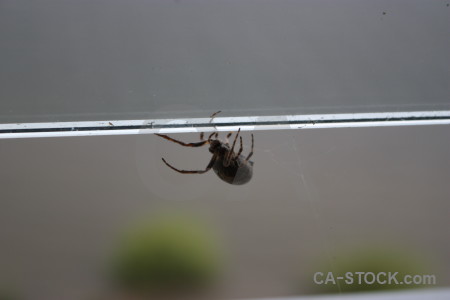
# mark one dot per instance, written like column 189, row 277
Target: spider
column 230, row 167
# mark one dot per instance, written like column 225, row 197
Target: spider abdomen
column 238, row 172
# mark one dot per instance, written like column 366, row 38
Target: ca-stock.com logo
column 373, row 278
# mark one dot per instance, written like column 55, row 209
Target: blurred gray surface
column 67, row 60
column 65, row 201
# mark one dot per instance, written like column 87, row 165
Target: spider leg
column 230, row 155
column 210, row 165
column 234, row 142
column 199, row 144
column 240, row 148
column 228, row 136
column 214, row 115
column 251, row 151
column 202, row 136
column 210, row 136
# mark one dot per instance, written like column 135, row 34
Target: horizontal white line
column 123, row 127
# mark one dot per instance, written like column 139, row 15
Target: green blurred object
column 375, row 260
column 169, row 254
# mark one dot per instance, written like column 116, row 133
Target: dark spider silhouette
column 230, row 167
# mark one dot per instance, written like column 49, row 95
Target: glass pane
column 317, row 199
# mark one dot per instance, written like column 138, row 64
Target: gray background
column 315, row 193
column 67, row 60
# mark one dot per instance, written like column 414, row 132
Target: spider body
column 238, row 171
column 229, row 166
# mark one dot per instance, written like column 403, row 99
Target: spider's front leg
column 251, row 151
column 202, row 136
column 199, row 144
column 208, row 167
column 230, row 154
column 240, row 148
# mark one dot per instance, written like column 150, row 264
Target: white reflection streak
column 249, row 123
